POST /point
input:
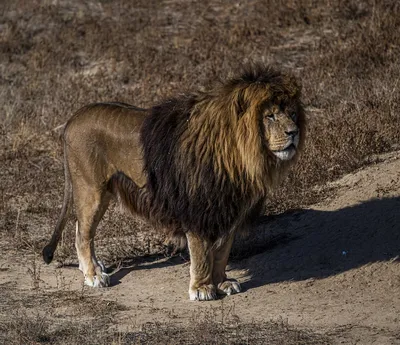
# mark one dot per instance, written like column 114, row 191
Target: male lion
column 200, row 164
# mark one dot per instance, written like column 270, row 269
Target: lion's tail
column 48, row 251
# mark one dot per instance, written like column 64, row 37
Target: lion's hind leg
column 90, row 207
column 224, row 285
column 201, row 286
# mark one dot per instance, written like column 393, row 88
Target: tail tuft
column 48, row 253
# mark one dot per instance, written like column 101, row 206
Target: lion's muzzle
column 290, row 148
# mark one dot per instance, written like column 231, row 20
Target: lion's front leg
column 201, row 286
column 224, row 285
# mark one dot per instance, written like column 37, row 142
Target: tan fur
column 93, row 139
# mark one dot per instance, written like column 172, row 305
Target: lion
column 199, row 165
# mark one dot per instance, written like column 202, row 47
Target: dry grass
column 21, row 329
column 56, row 56
column 35, row 324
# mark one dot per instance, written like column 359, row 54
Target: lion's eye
column 293, row 116
column 270, row 117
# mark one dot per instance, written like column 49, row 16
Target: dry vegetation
column 56, row 56
column 212, row 327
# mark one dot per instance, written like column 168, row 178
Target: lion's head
column 251, row 125
column 274, row 99
column 282, row 131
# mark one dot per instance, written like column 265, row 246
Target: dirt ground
column 336, row 273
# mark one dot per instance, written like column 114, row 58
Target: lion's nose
column 292, row 133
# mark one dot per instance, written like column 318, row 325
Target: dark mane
column 214, row 207
column 207, row 170
column 258, row 73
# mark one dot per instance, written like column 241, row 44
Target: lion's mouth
column 290, row 147
column 287, row 153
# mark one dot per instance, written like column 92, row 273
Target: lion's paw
column 100, row 279
column 229, row 287
column 203, row 293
